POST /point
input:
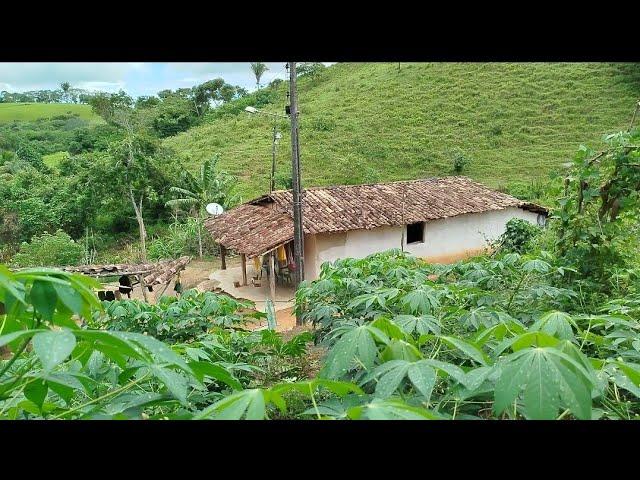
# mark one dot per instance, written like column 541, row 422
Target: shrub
column 459, row 161
column 284, row 181
column 518, row 235
column 49, row 250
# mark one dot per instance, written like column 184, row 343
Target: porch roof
column 251, row 229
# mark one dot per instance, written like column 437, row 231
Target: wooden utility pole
column 298, row 239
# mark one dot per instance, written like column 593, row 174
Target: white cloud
column 101, row 86
column 31, row 76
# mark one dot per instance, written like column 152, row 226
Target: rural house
column 438, row 219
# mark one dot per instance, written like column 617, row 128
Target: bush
column 284, row 181
column 518, row 236
column 459, row 161
column 49, row 250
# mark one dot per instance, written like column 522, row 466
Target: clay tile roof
column 260, row 225
column 251, row 229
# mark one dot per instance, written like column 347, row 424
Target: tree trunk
column 143, row 232
column 137, row 208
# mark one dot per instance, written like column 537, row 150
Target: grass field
column 34, row 111
column 371, row 122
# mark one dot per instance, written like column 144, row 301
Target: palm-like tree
column 258, row 70
column 210, row 186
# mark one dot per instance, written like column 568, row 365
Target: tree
column 211, row 186
column 134, row 155
column 65, row 86
column 172, row 116
column 258, row 70
column 600, row 205
column 107, row 104
column 310, row 69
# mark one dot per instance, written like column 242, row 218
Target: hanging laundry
column 282, row 254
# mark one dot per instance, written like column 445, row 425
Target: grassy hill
column 33, row 111
column 368, row 122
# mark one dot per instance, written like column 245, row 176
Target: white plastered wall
column 445, row 240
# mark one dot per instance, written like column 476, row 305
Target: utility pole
column 298, row 238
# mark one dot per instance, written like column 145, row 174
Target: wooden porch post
column 223, row 257
column 243, row 259
column 272, row 277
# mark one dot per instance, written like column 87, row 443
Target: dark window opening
column 415, row 233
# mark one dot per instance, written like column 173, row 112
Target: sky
column 135, row 78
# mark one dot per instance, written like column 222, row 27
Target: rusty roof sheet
column 251, row 229
column 263, row 223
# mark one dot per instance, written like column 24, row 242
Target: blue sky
column 136, row 78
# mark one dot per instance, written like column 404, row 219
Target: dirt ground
column 196, row 275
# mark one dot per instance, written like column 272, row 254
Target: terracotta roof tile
column 266, row 222
column 251, row 229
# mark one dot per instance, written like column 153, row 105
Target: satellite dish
column 214, row 209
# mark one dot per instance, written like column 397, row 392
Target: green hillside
column 34, row 111
column 371, row 122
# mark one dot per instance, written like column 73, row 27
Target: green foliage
column 258, row 69
column 60, row 370
column 310, row 69
column 518, row 236
column 49, row 250
column 173, row 320
column 459, row 160
column 323, row 124
column 173, row 116
column 181, row 238
column 598, row 213
column 492, row 337
column 195, row 193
